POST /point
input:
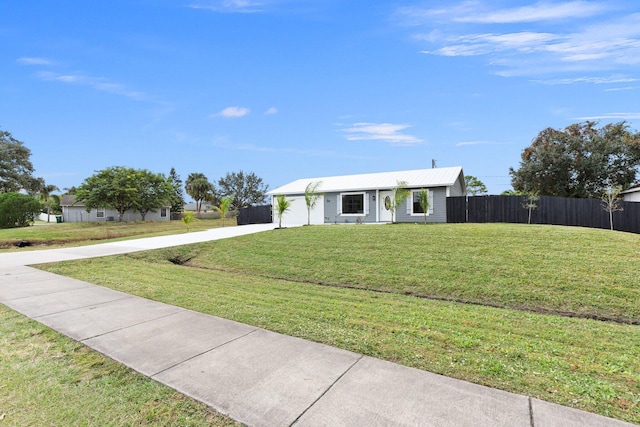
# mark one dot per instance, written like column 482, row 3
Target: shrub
column 17, row 210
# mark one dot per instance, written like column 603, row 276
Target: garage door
column 297, row 213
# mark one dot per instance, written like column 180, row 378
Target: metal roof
column 438, row 177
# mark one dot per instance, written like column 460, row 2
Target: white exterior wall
column 632, row 197
column 80, row 214
column 297, row 213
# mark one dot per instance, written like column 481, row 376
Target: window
column 416, row 209
column 163, row 212
column 100, row 213
column 352, row 203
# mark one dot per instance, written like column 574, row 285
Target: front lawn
column 382, row 291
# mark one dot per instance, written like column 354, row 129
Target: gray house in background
column 365, row 198
column 73, row 211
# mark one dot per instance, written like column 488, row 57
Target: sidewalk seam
column 127, row 326
column 201, row 353
column 326, row 391
column 77, row 308
column 531, row 413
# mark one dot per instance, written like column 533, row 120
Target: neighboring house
column 73, row 211
column 365, row 198
column 192, row 206
column 631, row 194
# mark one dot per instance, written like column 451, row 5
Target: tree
column 531, row 203
column 398, row 195
column 247, row 189
column 223, row 209
column 46, row 198
column 611, row 202
column 311, row 197
column 578, row 161
column 423, row 198
column 176, row 199
column 199, row 187
column 282, row 206
column 17, row 210
column 116, row 187
column 154, row 190
column 16, row 170
column 474, row 185
column 188, row 219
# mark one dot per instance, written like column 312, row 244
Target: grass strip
column 48, row 379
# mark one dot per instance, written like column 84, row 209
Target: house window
column 353, row 203
column 416, row 208
column 163, row 212
column 100, row 213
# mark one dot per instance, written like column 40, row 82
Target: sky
column 293, row 89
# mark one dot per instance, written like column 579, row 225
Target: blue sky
column 293, row 89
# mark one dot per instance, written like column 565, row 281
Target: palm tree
column 45, row 197
column 311, row 197
column 223, row 209
column 282, row 205
column 424, row 202
column 400, row 194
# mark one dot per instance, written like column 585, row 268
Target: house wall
column 80, row 214
column 456, row 189
column 632, row 197
column 331, row 215
column 439, row 208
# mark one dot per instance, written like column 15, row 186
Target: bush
column 17, row 210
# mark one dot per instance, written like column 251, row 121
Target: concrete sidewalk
column 255, row 376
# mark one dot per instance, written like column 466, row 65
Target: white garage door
column 297, row 213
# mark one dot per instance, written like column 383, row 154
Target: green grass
column 80, row 233
column 48, row 380
column 363, row 289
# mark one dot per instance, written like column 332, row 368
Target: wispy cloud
column 34, row 61
column 543, row 37
column 612, row 116
column 387, row 132
column 272, row 110
column 232, row 112
column 590, row 80
column 230, row 6
column 98, row 83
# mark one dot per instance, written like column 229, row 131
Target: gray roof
column 439, row 177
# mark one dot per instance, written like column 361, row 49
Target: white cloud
column 232, row 112
column 97, row 83
column 589, row 80
column 541, row 11
column 34, row 61
column 612, row 116
column 387, row 132
column 230, row 6
column 544, row 37
column 272, row 110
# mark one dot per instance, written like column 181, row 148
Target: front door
column 384, row 206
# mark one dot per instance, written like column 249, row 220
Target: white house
column 73, row 211
column 631, row 194
column 366, row 198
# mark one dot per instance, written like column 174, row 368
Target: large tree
column 154, row 190
column 247, row 189
column 16, row 169
column 116, row 187
column 474, row 185
column 199, row 187
column 581, row 160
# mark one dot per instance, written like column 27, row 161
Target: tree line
column 118, row 187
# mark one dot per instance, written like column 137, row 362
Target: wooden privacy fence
column 549, row 210
column 255, row 215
